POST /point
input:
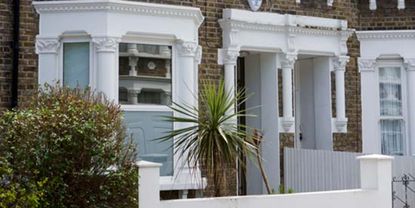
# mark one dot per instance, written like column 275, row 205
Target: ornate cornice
column 106, row 44
column 288, row 60
column 119, row 6
column 47, row 45
column 186, row 48
column 392, row 34
column 340, row 63
column 238, row 25
column 367, row 65
column 242, row 25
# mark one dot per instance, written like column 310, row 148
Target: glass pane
column 144, row 127
column 145, row 74
column 76, row 64
column 392, row 137
column 390, row 90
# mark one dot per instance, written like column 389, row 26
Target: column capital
column 366, row 65
column 410, row 64
column 47, row 45
column 288, row 60
column 340, row 63
column 187, row 48
column 228, row 56
column 106, row 44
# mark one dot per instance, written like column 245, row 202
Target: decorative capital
column 367, row 65
column 187, row 48
column 287, row 124
column 288, row 60
column 341, row 125
column 410, row 64
column 228, row 56
column 106, row 44
column 47, row 45
column 340, row 62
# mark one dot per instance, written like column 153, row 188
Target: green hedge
column 65, row 144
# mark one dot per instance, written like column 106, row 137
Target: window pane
column 390, row 89
column 144, row 127
column 76, row 64
column 392, row 137
column 145, row 74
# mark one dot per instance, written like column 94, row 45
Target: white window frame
column 395, row 63
column 159, row 42
column 77, row 38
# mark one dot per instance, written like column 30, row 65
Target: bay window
column 129, row 51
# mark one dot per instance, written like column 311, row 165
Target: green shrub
column 16, row 192
column 71, row 138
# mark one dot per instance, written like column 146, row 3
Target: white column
column 371, row 142
column 410, row 68
column 186, row 63
column 148, row 184
column 339, row 70
column 287, row 65
column 184, row 93
column 47, row 49
column 228, row 57
column 107, row 69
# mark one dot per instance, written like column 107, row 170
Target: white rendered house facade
column 145, row 56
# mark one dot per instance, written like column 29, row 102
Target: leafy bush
column 16, row 192
column 75, row 140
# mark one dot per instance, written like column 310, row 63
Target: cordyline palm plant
column 210, row 134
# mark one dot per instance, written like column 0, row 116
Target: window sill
column 145, row 108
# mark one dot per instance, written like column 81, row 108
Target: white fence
column 319, row 170
column 375, row 191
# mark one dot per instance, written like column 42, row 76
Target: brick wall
column 5, row 52
column 27, row 59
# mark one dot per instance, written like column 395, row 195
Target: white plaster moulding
column 385, row 34
column 119, row 6
column 235, row 24
column 266, row 18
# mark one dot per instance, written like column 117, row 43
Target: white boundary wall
column 375, row 191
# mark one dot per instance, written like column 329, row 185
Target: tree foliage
column 74, row 142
